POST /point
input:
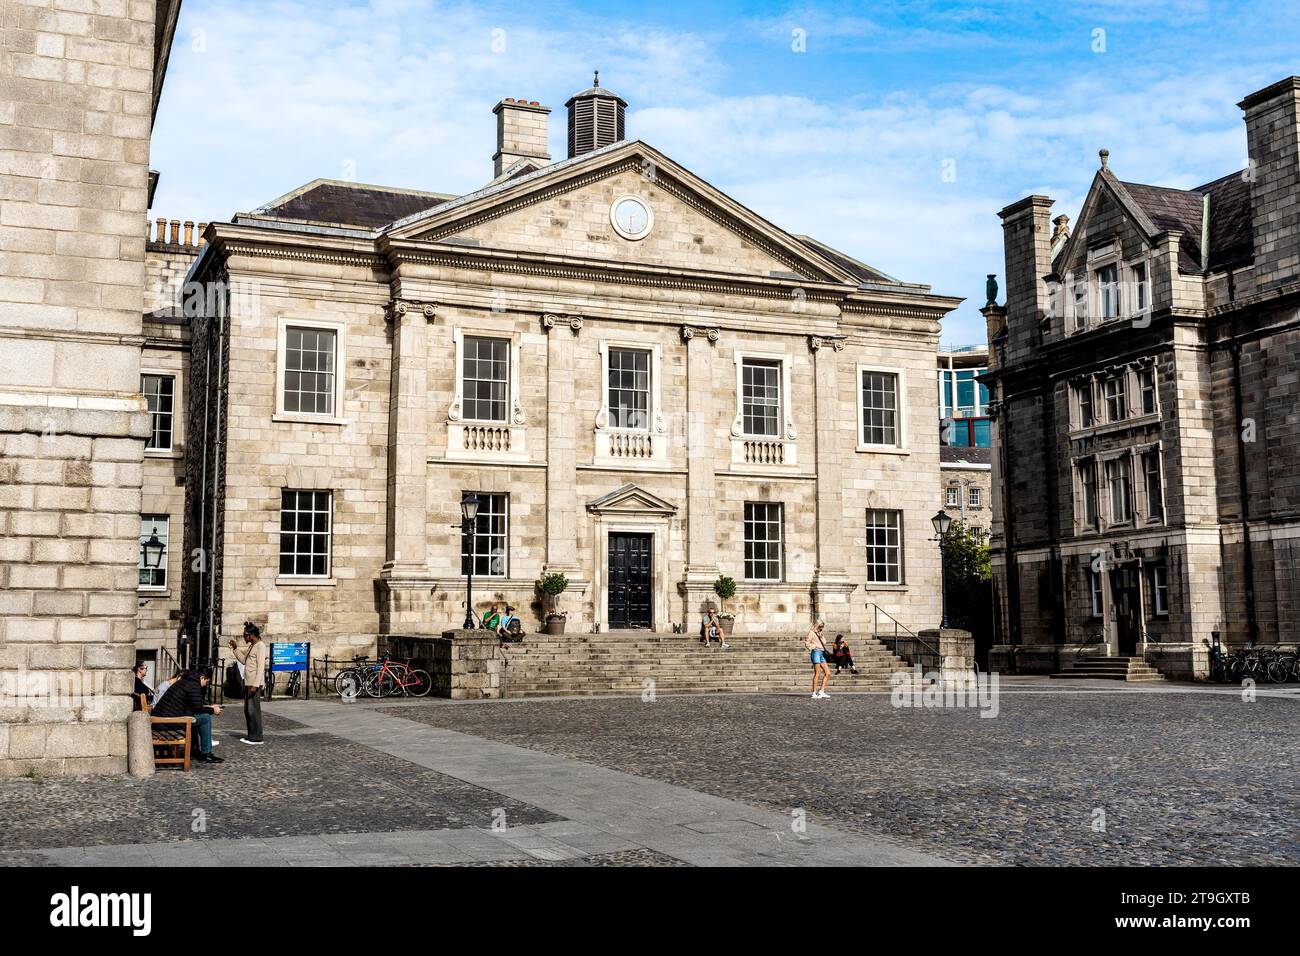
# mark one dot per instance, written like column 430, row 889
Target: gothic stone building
column 1146, row 441
column 645, row 384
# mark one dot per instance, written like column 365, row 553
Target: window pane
column 305, row 531
column 490, row 539
column 159, row 395
column 880, row 408
column 629, row 388
column 151, row 526
column 763, row 527
column 309, row 370
column 485, row 379
column 884, row 550
column 761, row 397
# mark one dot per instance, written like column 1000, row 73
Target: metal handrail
column 930, row 650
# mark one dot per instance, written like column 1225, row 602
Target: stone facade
column 81, row 83
column 1144, row 377
column 541, row 264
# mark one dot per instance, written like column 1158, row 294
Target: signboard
column 290, row 657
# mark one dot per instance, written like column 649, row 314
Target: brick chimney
column 521, row 133
column 1273, row 141
column 1027, row 240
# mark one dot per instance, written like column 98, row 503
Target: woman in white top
column 812, row 643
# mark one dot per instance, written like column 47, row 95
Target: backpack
column 234, row 684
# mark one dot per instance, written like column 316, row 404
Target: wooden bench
column 171, row 735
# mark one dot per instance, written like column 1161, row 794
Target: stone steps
column 1134, row 670
column 593, row 664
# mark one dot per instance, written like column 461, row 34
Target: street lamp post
column 468, row 516
column 942, row 521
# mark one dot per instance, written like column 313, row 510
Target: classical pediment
column 631, row 500
column 565, row 210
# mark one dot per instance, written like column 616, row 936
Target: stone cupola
column 595, row 118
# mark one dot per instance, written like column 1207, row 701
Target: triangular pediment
column 565, row 210
column 1106, row 189
column 631, row 499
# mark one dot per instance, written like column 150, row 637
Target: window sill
column 151, row 593
column 308, row 419
column 160, row 453
column 885, row 587
column 883, row 450
column 292, row 581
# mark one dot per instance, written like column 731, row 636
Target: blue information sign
column 290, row 657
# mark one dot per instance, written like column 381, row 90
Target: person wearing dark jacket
column 141, row 687
column 185, row 699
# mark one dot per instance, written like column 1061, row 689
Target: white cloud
column 286, row 93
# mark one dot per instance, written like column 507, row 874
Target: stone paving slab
column 646, row 813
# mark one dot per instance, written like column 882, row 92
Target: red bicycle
column 393, row 677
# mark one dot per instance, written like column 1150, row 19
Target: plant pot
column 554, row 624
column 726, row 623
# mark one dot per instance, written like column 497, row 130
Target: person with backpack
column 816, row 649
column 253, row 657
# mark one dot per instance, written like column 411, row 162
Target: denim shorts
column 818, row 657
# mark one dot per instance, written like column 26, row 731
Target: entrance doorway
column 1124, row 596
column 630, row 558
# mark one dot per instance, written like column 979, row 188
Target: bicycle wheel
column 381, row 684
column 423, row 684
column 348, row 683
column 1276, row 671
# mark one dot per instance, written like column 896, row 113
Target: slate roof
column 964, row 455
column 352, row 204
column 1230, row 238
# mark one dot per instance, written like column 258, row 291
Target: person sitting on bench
column 185, row 699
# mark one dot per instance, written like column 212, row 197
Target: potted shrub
column 553, row 585
column 724, row 588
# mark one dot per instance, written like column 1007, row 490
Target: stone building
column 645, row 384
column 1146, row 442
column 965, row 437
column 81, row 86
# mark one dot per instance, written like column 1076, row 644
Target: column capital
column 711, row 332
column 551, row 319
column 398, row 308
column 836, row 342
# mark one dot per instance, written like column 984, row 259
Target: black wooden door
column 629, row 580
column 1124, row 593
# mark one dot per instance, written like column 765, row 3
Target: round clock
column 631, row 217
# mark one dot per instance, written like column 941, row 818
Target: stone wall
column 74, row 128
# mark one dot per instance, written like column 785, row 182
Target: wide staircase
column 626, row 663
column 1135, row 670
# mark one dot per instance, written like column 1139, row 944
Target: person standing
column 816, row 649
column 253, row 657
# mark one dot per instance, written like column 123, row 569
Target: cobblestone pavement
column 301, row 782
column 1097, row 777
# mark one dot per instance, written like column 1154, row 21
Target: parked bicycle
column 394, row 677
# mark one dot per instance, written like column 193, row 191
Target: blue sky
column 896, row 133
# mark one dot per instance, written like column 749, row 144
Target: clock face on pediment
column 631, row 217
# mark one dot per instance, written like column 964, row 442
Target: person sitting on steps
column 841, row 655
column 713, row 628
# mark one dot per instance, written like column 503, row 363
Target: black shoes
column 210, row 757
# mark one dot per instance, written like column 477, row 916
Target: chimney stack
column 595, row 119
column 1273, row 143
column 1027, row 239
column 521, row 134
